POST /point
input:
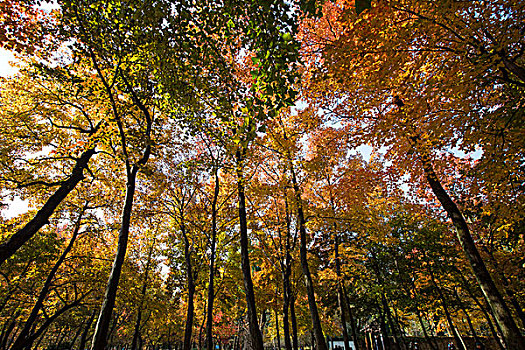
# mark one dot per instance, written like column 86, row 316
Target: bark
column 497, row 337
column 386, row 309
column 457, row 338
column 256, row 340
column 314, row 313
column 385, row 341
column 469, row 321
column 286, row 271
column 211, row 291
column 286, row 302
column 190, row 285
column 23, row 337
column 340, row 295
column 500, row 310
column 506, row 286
column 136, row 331
column 104, row 319
column 72, row 342
column 430, row 342
column 8, row 248
column 295, row 339
column 277, row 330
column 353, row 325
column 9, row 329
column 83, row 338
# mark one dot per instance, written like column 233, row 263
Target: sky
column 5, row 68
column 16, row 206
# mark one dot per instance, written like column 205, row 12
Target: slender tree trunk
column 190, row 284
column 72, row 343
column 507, row 289
column 104, row 319
column 469, row 321
column 9, row 329
column 386, row 309
column 353, row 325
column 211, row 291
column 23, row 337
column 277, row 330
column 286, row 302
column 136, row 331
column 256, row 340
column 295, row 340
column 8, row 248
column 497, row 337
column 457, row 338
column 500, row 310
column 83, row 337
column 314, row 313
column 430, row 342
column 340, row 295
column 286, row 273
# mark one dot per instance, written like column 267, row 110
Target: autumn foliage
column 262, row 174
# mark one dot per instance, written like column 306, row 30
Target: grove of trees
column 225, row 174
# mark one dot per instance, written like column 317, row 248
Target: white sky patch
column 473, row 155
column 6, row 67
column 14, row 208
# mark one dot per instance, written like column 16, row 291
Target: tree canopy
column 255, row 174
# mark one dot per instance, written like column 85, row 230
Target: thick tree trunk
column 8, row 248
column 104, row 319
column 23, row 337
column 255, row 335
column 211, row 290
column 314, row 313
column 500, row 310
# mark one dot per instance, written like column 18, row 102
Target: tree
column 412, row 42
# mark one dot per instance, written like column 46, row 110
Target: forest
column 262, row 174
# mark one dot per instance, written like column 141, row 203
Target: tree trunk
column 104, row 319
column 256, row 340
column 295, row 339
column 211, row 290
column 190, row 285
column 277, row 330
column 8, row 248
column 506, row 286
column 430, row 342
column 457, row 338
column 136, row 331
column 386, row 309
column 83, row 337
column 314, row 313
column 500, row 310
column 353, row 325
column 22, row 339
column 340, row 295
column 497, row 337
column 286, row 301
